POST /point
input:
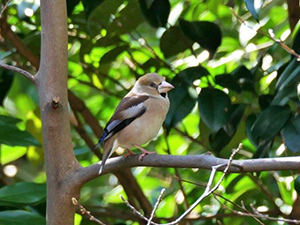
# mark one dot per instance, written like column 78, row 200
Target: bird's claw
column 144, row 154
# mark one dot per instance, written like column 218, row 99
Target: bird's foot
column 129, row 153
column 145, row 152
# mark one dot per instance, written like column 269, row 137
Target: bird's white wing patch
column 133, row 110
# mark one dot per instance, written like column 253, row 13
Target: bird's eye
column 152, row 84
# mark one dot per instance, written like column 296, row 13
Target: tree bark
column 51, row 81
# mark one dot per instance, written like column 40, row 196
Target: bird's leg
column 145, row 152
column 129, row 153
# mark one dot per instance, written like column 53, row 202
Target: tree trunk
column 51, row 82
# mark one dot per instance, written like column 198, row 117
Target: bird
column 138, row 117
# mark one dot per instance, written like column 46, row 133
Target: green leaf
column 283, row 96
column 219, row 140
column 249, row 124
column 265, row 101
column 297, row 184
column 173, row 41
column 207, row 34
column 9, row 120
column 89, row 5
column 191, row 74
column 20, row 217
column 112, row 54
column 71, row 5
column 12, row 136
column 214, row 107
column 291, row 134
column 289, row 75
column 181, row 103
column 254, row 7
column 156, row 12
column 228, row 81
column 100, row 15
column 270, row 122
column 183, row 97
column 24, row 193
column 129, row 19
column 263, row 149
column 6, row 80
column 9, row 154
column 244, row 78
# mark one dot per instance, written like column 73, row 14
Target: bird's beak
column 165, row 87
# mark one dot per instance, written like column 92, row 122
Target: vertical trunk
column 52, row 87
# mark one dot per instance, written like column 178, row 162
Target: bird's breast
column 146, row 127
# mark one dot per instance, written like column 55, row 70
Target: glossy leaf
column 291, row 134
column 214, row 107
column 219, row 140
column 182, row 103
column 21, row 217
column 128, row 20
column 263, row 149
column 244, row 78
column 296, row 44
column 156, row 12
column 183, row 97
column 289, row 75
column 173, row 41
column 207, row 34
column 12, row 136
column 113, row 54
column 297, row 184
column 23, row 193
column 265, row 101
column 270, row 122
column 254, row 7
column 249, row 124
column 6, row 80
column 228, row 81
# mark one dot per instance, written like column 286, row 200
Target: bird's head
column 153, row 84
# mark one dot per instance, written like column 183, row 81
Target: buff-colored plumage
column 138, row 117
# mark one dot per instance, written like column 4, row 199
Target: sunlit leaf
column 9, row 154
column 156, row 12
column 206, row 34
column 214, row 107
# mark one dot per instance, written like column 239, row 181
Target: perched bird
column 138, row 117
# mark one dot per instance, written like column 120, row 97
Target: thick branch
column 18, row 70
column 204, row 161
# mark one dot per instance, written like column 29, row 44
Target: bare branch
column 156, row 205
column 204, row 161
column 86, row 212
column 18, row 70
column 272, row 37
column 4, row 8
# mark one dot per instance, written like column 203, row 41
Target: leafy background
column 232, row 85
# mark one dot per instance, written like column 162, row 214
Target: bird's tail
column 107, row 154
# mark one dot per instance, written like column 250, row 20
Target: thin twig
column 207, row 192
column 271, row 36
column 86, row 212
column 18, row 70
column 4, row 8
column 156, row 205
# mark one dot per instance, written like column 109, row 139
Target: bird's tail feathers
column 101, row 140
column 106, row 155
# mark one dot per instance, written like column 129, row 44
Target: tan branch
column 18, row 70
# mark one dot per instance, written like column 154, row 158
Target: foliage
column 232, row 85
